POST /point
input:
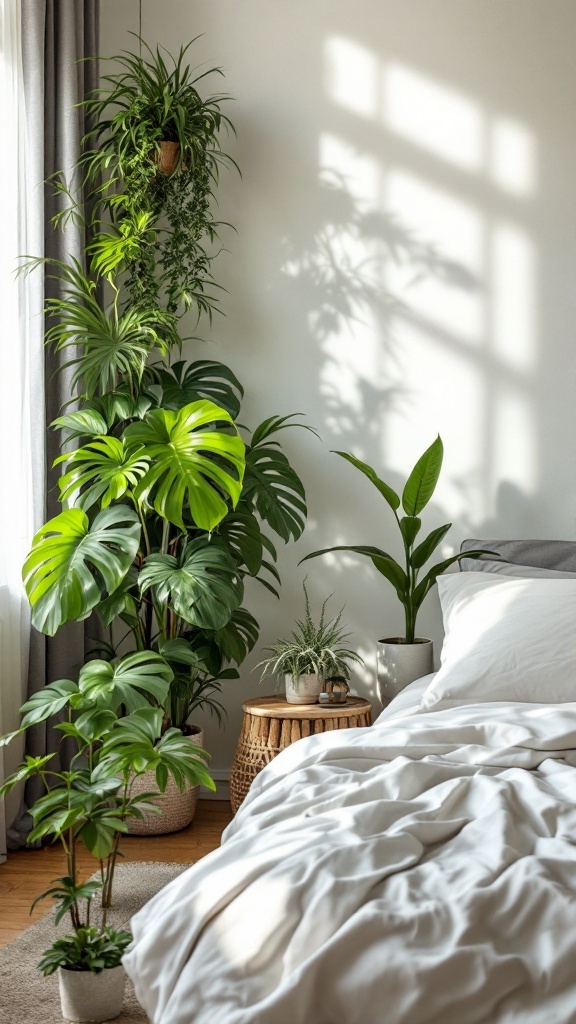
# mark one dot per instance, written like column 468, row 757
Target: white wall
column 404, row 266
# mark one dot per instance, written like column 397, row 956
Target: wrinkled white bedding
column 422, row 871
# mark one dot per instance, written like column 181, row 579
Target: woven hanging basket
column 178, row 808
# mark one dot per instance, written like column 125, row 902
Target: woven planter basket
column 178, row 808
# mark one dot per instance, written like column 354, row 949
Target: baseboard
column 221, row 777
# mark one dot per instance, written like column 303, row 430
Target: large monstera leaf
column 202, row 586
column 193, row 464
column 73, row 565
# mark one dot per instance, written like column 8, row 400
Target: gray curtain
column 57, row 35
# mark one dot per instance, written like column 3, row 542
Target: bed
column 422, row 871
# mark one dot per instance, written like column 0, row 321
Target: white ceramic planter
column 177, row 808
column 88, row 996
column 400, row 663
column 304, row 689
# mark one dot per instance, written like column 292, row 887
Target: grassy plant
column 312, row 647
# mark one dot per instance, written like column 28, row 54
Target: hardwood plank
column 26, row 873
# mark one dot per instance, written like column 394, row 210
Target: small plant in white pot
column 310, row 653
column 90, row 972
column 401, row 659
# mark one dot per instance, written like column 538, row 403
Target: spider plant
column 160, row 228
column 312, row 647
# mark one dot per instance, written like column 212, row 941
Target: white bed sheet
column 419, row 872
column 408, row 700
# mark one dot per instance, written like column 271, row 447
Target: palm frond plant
column 312, row 649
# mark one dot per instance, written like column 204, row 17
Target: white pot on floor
column 92, row 996
column 400, row 663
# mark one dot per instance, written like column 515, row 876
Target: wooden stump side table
column 270, row 724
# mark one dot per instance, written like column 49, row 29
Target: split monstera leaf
column 184, row 465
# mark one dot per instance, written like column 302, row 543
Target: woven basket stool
column 270, row 724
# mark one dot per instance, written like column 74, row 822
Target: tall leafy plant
column 410, row 585
column 168, row 505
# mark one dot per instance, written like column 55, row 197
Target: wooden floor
column 26, row 873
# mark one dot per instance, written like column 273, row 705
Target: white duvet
column 422, row 871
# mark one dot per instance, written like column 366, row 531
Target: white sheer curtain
column 20, row 391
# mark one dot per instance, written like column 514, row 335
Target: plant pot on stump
column 178, row 809
column 88, row 996
column 303, row 689
column 400, row 663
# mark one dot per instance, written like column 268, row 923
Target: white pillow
column 505, row 640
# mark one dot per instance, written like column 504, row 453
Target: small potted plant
column 90, row 972
column 311, row 652
column 401, row 659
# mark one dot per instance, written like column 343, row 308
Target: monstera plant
column 167, row 504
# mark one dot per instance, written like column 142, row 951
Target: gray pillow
column 547, row 559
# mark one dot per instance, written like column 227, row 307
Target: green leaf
column 133, row 680
column 134, row 746
column 109, row 346
column 103, row 471
column 394, row 573
column 203, row 585
column 180, row 652
column 410, row 528
column 73, row 564
column 274, row 489
column 122, row 603
column 241, row 532
column 422, row 481
column 31, row 766
column 184, row 383
column 237, row 638
column 47, row 702
column 424, row 551
column 82, row 423
column 193, row 464
column 387, row 493
column 94, row 724
column 100, row 830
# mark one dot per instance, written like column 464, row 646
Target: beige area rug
column 27, row 997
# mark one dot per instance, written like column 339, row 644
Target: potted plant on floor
column 166, row 507
column 92, row 802
column 312, row 652
column 401, row 659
